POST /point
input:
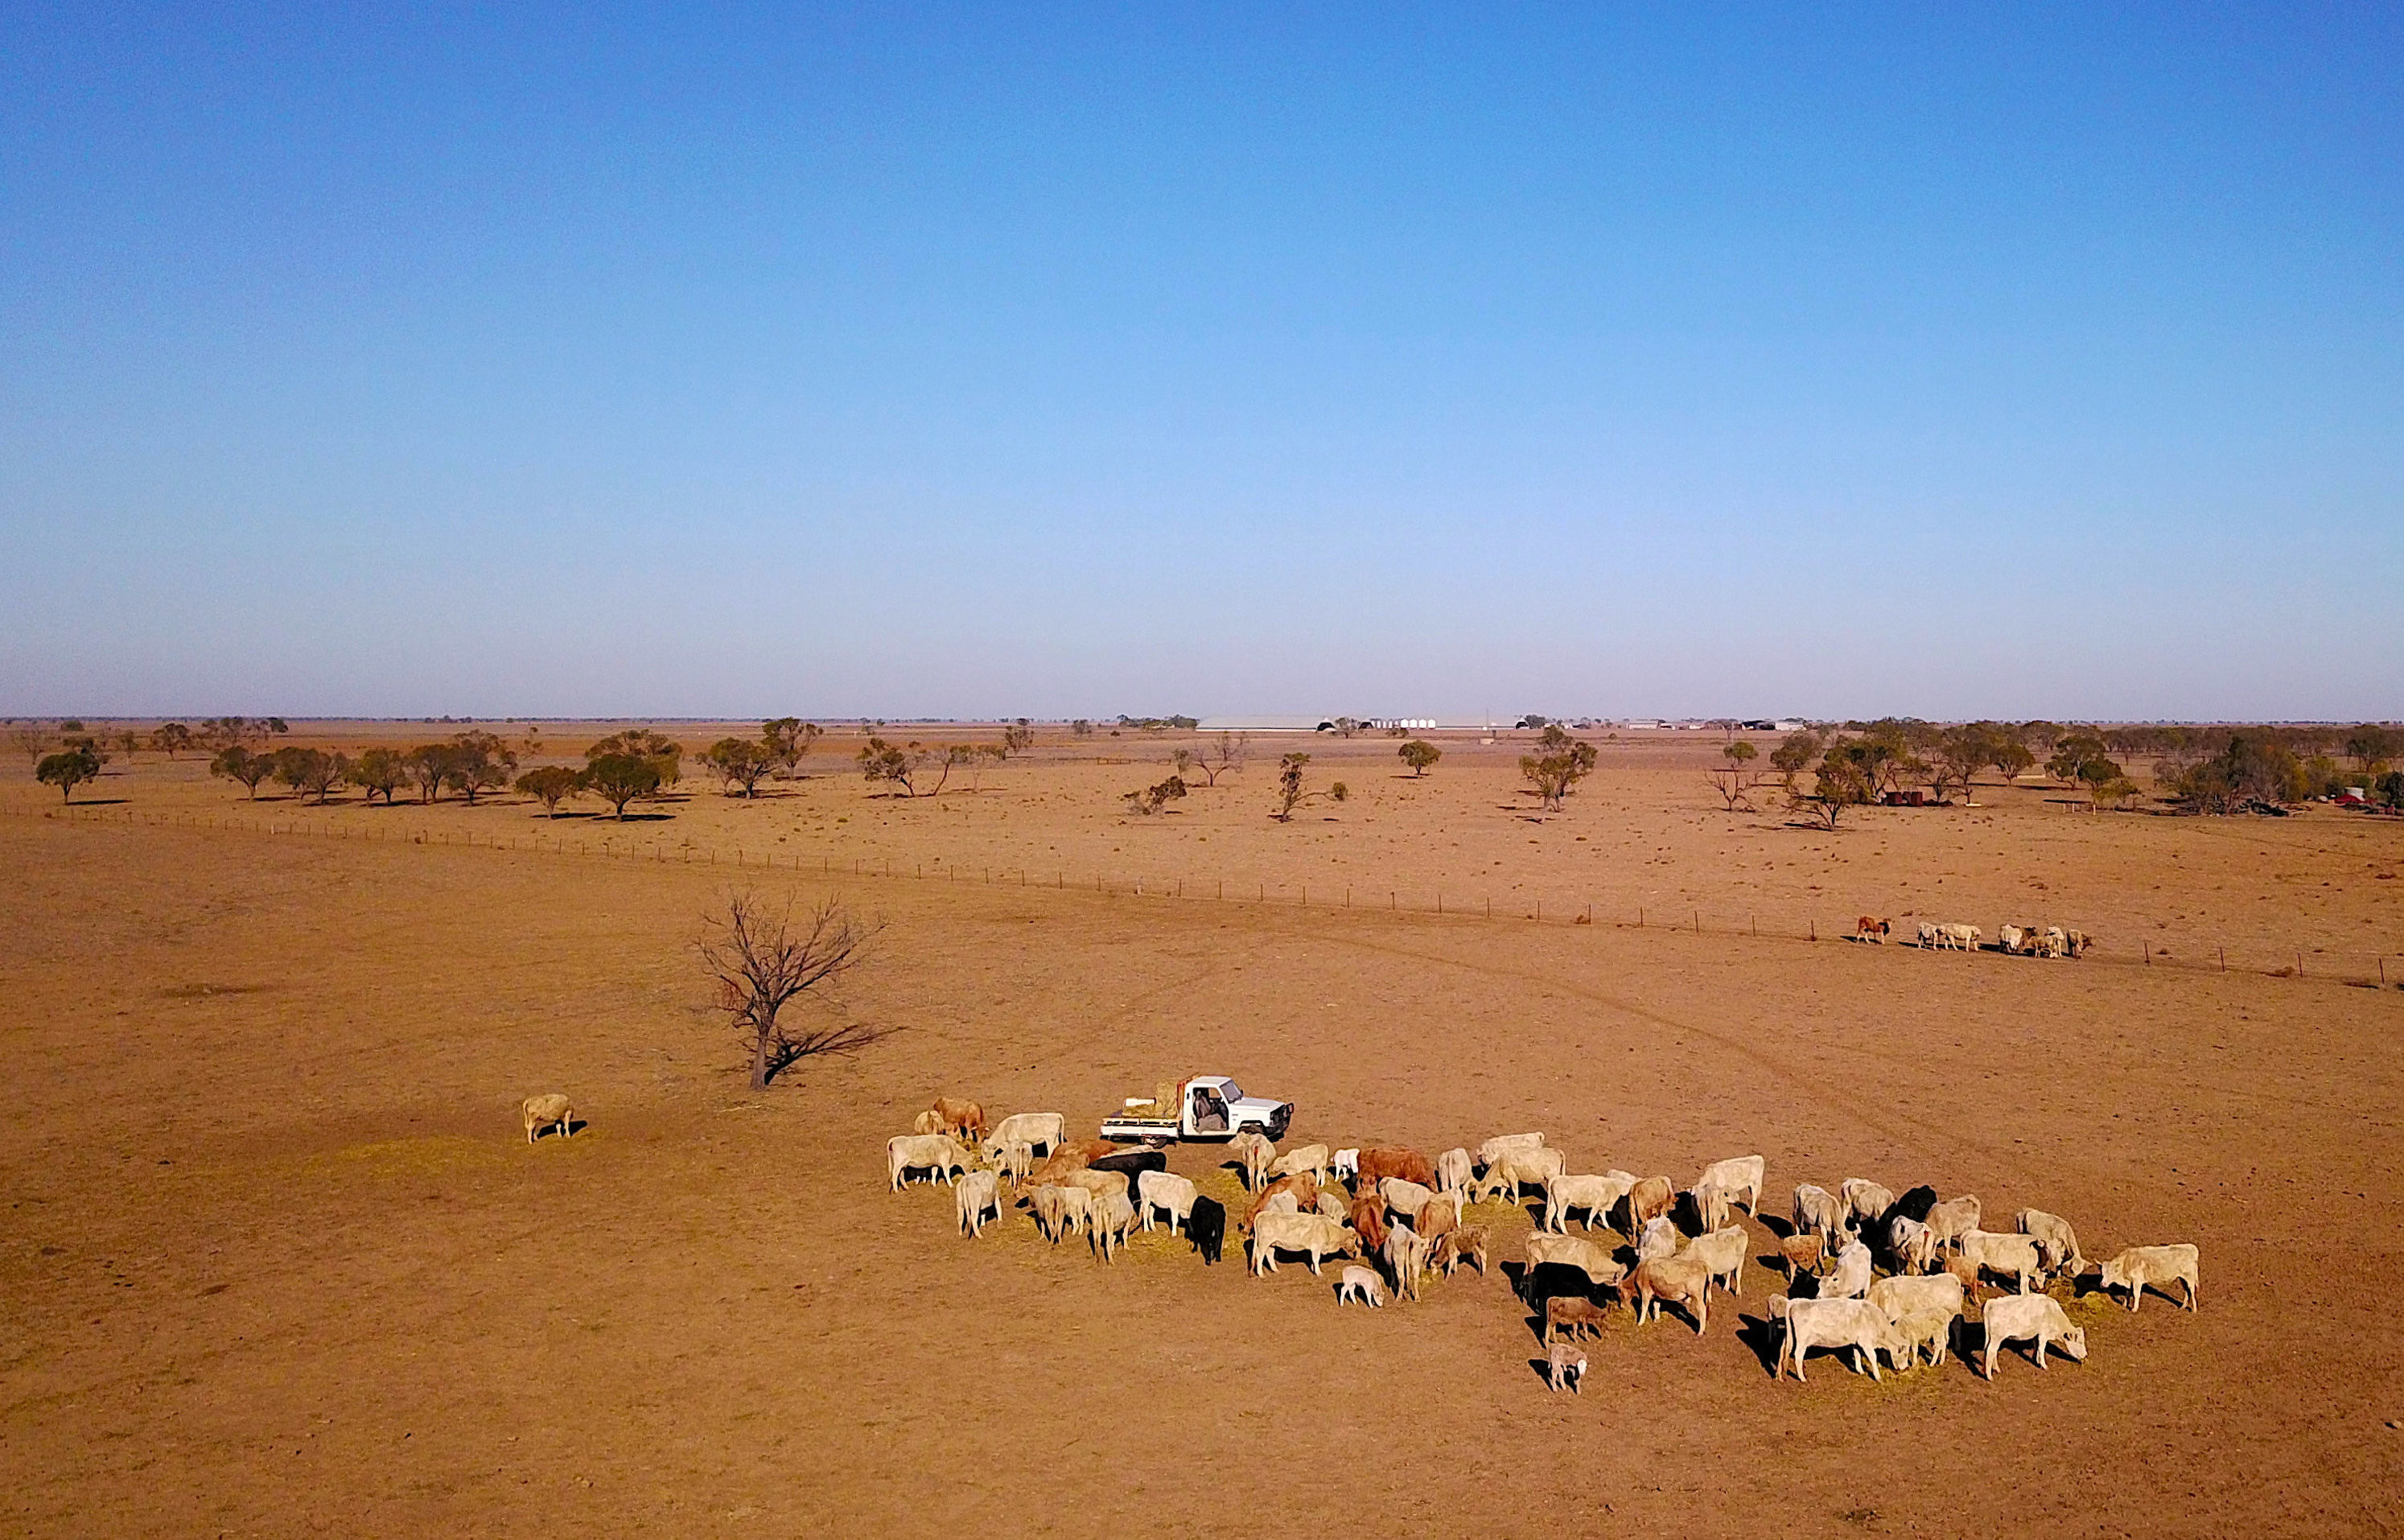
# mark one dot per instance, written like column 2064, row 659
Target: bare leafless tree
column 1217, row 757
column 762, row 961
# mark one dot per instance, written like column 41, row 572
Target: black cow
column 1555, row 1279
column 1207, row 1229
column 1913, row 1205
column 1132, row 1164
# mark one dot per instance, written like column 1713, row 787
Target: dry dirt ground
column 279, row 1260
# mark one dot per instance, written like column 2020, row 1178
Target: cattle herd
column 2026, row 941
column 1867, row 1270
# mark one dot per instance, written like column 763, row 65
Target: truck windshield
column 1232, row 1091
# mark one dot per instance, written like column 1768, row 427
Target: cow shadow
column 1759, row 1335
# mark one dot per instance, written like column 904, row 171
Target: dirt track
column 278, row 1259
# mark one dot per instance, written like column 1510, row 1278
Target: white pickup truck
column 1204, row 1108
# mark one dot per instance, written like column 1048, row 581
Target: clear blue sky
column 1053, row 361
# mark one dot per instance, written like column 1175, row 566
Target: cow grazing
column 940, row 1154
column 1314, row 1234
column 1361, row 1283
column 1207, row 1228
column 548, row 1110
column 2028, row 1317
column 2010, row 1255
column 1252, row 1154
column 1651, row 1199
column 1518, row 1168
column 1818, row 1209
column 963, row 1119
column 1309, row 1160
column 1438, row 1217
column 1454, row 1172
column 1596, row 1263
column 1873, row 930
column 1911, row 1245
column 1864, row 1201
column 1406, row 1252
column 1015, row 1162
column 1597, row 1196
column 1850, row 1275
column 1303, row 1190
column 1953, row 1218
column 1369, row 1218
column 1378, row 1164
column 1048, row 1130
column 1801, row 1252
column 1548, row 1280
column 1677, row 1280
column 1568, row 1314
column 1914, row 1204
column 1165, row 1192
column 2158, row 1266
column 1838, row 1323
column 1404, row 1198
column 1722, row 1252
column 1491, row 1151
column 2055, row 1235
column 1740, row 1175
column 1465, row 1244
column 1073, row 1156
column 974, row 1194
column 1903, row 1298
column 1132, row 1164
column 1114, row 1217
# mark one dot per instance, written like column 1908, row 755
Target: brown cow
column 963, row 1118
column 1075, row 1156
column 1393, row 1160
column 1650, row 1199
column 1567, row 1313
column 1801, row 1251
column 1871, row 929
column 1369, row 1218
column 1303, row 1187
column 1465, row 1244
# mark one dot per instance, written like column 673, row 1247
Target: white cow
column 972, row 1195
column 2013, row 1255
column 1454, row 1172
column 1313, row 1233
column 1166, row 1190
column 938, row 1152
column 2139, row 1265
column 1840, row 1323
column 2019, row 1317
column 1361, row 1283
column 1817, row 1209
column 1030, row 1128
column 1850, row 1276
column 1740, row 1176
column 1596, row 1195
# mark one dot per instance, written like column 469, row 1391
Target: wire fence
column 2173, row 951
